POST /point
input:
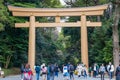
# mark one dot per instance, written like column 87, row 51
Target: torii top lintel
column 94, row 10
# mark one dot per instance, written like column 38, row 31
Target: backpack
column 52, row 68
column 28, row 75
column 71, row 68
column 37, row 69
column 118, row 69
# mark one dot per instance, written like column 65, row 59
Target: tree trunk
column 7, row 61
column 116, row 35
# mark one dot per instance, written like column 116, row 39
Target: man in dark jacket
column 37, row 69
column 117, row 74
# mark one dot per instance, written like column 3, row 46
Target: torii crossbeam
column 57, row 13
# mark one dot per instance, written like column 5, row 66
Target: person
column 0, row 71
column 95, row 70
column 22, row 71
column 90, row 71
column 56, row 70
column 27, row 73
column 65, row 72
column 52, row 71
column 102, row 71
column 85, row 71
column 79, row 69
column 48, row 72
column 71, row 70
column 37, row 70
column 110, row 69
column 68, row 64
column 117, row 73
column 44, row 72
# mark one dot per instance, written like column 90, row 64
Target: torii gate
column 57, row 13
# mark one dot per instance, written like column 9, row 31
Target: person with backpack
column 95, row 70
column 27, row 73
column 44, row 72
column 117, row 73
column 71, row 71
column 56, row 70
column 110, row 69
column 52, row 71
column 37, row 70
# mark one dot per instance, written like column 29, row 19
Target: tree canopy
column 52, row 46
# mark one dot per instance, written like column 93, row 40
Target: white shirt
column 95, row 68
column 112, row 68
column 65, row 69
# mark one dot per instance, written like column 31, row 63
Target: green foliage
column 11, row 71
column 99, row 39
column 3, row 14
column 50, row 46
column 14, row 42
column 27, row 5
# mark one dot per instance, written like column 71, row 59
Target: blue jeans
column 110, row 75
column 102, row 75
column 48, row 76
column 85, row 74
column 52, row 76
column 56, row 73
column 22, row 76
column 94, row 73
column 37, row 76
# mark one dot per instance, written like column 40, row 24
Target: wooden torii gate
column 57, row 13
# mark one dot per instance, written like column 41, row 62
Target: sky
column 62, row 2
column 59, row 28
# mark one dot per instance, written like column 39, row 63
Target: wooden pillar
column 31, row 50
column 84, row 41
column 57, row 19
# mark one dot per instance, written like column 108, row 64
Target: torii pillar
column 31, row 50
column 84, row 40
column 57, row 13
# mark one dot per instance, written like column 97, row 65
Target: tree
column 116, row 19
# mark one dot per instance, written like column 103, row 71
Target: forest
column 60, row 47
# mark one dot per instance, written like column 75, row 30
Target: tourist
column 85, row 71
column 0, row 71
column 65, row 72
column 44, row 71
column 37, row 69
column 90, row 71
column 102, row 71
column 110, row 69
column 68, row 64
column 95, row 70
column 52, row 71
column 71, row 71
column 48, row 72
column 56, row 70
column 79, row 69
column 117, row 73
column 22, row 71
column 27, row 72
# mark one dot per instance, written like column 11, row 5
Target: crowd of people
column 48, row 72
